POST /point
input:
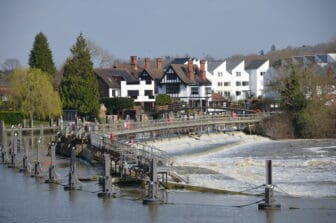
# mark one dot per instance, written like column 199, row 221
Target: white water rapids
column 236, row 162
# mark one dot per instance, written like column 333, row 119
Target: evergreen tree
column 41, row 57
column 294, row 102
column 79, row 86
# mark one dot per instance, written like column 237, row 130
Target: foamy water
column 300, row 167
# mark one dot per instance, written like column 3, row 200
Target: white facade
column 240, row 82
column 257, row 79
column 114, row 92
column 145, row 91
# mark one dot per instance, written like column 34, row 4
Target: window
column 113, row 93
column 238, row 93
column 133, row 94
column 262, row 73
column 173, row 88
column 220, row 74
column 171, row 76
column 149, row 93
column 245, row 83
column 238, row 74
column 227, row 84
column 208, row 90
column 238, row 83
column 194, row 90
column 227, row 93
column 220, row 84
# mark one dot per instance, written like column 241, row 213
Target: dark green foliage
column 163, row 99
column 293, row 101
column 11, row 118
column 114, row 105
column 79, row 85
column 41, row 57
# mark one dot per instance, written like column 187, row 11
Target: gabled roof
column 154, row 73
column 213, row 64
column 113, row 76
column 255, row 64
column 231, row 64
column 182, row 72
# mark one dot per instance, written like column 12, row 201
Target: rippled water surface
column 303, row 169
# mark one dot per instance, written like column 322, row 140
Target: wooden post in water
column 73, row 182
column 108, row 188
column 269, row 200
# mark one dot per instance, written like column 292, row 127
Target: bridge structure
column 134, row 159
column 150, row 160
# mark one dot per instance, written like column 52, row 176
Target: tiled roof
column 154, row 73
column 213, row 64
column 182, row 72
column 180, row 60
column 217, row 97
column 255, row 64
column 231, row 64
column 113, row 76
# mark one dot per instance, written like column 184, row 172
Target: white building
column 140, row 91
column 257, row 70
column 239, row 82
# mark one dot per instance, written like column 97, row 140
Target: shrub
column 163, row 99
column 11, row 118
column 114, row 105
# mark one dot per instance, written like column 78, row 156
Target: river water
column 303, row 170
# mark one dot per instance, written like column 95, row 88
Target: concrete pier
column 108, row 188
column 37, row 165
column 270, row 203
column 73, row 182
column 52, row 175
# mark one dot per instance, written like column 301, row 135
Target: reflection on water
column 27, row 199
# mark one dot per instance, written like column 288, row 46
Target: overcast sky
column 153, row 28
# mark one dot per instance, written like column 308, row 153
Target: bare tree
column 99, row 56
column 10, row 64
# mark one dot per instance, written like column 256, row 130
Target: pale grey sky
column 152, row 28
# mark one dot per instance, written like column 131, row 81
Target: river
column 304, row 171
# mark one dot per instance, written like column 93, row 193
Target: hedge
column 11, row 118
column 113, row 105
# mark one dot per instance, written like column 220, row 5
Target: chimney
column 134, row 61
column 202, row 70
column 159, row 63
column 147, row 63
column 191, row 73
